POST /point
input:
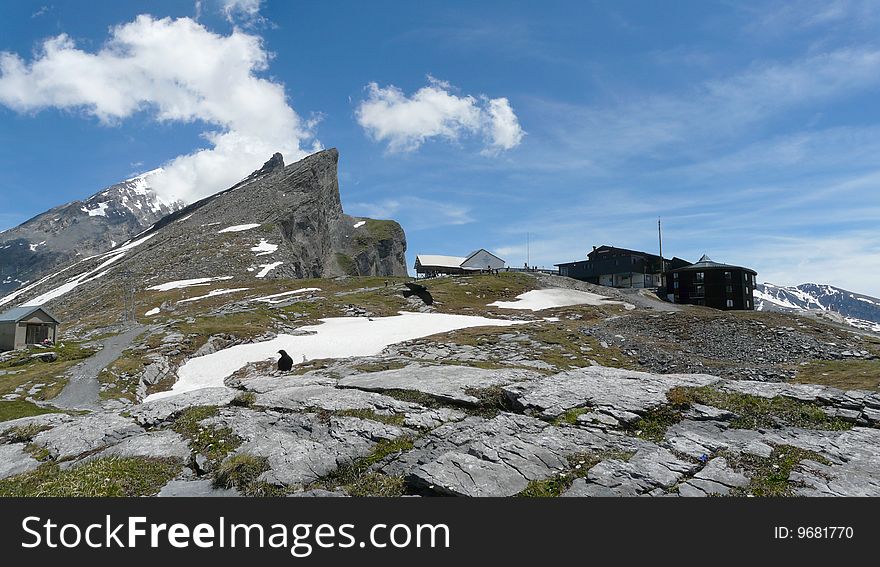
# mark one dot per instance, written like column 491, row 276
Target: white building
column 478, row 261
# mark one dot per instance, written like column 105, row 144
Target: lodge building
column 620, row 267
column 712, row 284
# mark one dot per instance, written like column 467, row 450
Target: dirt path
column 83, row 389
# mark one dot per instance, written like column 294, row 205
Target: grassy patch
column 843, row 374
column 654, row 423
column 46, row 379
column 377, row 484
column 356, row 478
column 245, row 399
column 111, row 476
column 491, row 399
column 578, row 466
column 21, row 433
column 756, row 412
column 214, row 443
column 15, row 409
column 394, row 419
column 570, row 417
column 769, row 475
column 241, row 472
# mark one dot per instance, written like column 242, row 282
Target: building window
column 729, row 289
column 727, row 275
column 730, row 303
column 675, row 285
column 698, row 291
column 675, row 276
column 699, row 276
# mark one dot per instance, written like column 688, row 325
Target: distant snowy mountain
column 857, row 310
column 79, row 229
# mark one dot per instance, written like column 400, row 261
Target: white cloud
column 178, row 71
column 434, row 111
column 246, row 9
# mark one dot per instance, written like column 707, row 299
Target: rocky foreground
column 626, row 397
column 427, row 429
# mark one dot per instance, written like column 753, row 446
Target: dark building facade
column 620, row 267
column 712, row 284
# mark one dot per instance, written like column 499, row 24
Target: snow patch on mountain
column 857, row 310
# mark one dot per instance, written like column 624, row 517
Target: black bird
column 285, row 363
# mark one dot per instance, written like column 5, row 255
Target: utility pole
column 528, row 250
column 662, row 262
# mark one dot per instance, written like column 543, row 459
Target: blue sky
column 752, row 129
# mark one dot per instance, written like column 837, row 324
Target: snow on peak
column 268, row 268
column 264, row 248
column 99, row 211
column 214, row 293
column 238, row 228
column 181, row 284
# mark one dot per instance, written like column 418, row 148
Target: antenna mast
column 662, row 262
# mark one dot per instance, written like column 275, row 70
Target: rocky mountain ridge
column 60, row 236
column 855, row 309
column 279, row 222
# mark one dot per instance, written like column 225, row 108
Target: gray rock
column 44, row 420
column 300, row 448
column 14, row 459
column 511, row 449
column 598, row 386
column 155, row 412
column 443, row 382
column 460, row 474
column 700, row 412
column 86, row 433
column 198, row 488
column 332, row 399
column 318, row 493
column 155, row 444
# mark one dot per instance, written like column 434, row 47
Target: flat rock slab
column 854, row 455
column 332, row 399
column 649, row 469
column 498, row 456
column 164, row 444
column 14, row 459
column 445, row 382
column 199, row 488
column 717, row 477
column 301, row 448
column 157, row 411
column 263, row 384
column 859, row 406
column 460, row 474
column 598, row 386
column 44, row 420
column 85, row 434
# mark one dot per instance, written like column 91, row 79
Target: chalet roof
column 607, row 248
column 706, row 263
column 440, row 261
column 16, row 314
column 475, row 252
